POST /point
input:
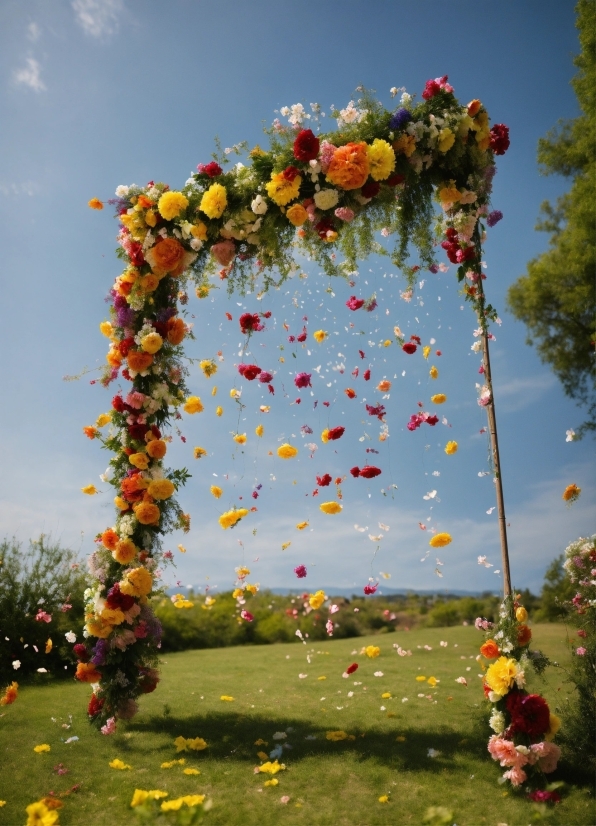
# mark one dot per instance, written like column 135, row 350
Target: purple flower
column 494, row 217
column 100, row 652
column 399, row 118
column 434, row 268
column 302, row 380
column 300, row 571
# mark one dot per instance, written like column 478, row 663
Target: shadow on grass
column 233, row 736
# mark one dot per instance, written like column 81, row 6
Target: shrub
column 44, row 577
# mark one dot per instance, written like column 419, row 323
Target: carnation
column 306, row 146
column 326, row 198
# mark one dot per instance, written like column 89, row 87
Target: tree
column 556, row 299
column 556, row 592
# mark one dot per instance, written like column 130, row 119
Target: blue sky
column 97, row 93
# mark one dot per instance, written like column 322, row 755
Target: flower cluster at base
column 523, row 723
column 145, row 332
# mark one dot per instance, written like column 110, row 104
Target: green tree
column 556, row 299
column 556, row 591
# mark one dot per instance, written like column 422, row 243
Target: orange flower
column 405, row 144
column 110, row 539
column 474, row 107
column 113, row 358
column 384, row 386
column 95, row 203
column 125, row 551
column 524, row 635
column 87, row 673
column 167, row 256
column 147, row 513
column 157, row 448
column 10, row 695
column 490, row 650
column 138, row 361
column 176, row 331
column 133, row 486
column 144, row 202
column 349, row 166
column 90, row 432
column 350, row 393
column 148, row 283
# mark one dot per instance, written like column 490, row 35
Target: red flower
column 395, row 179
column 369, row 472
column 118, row 404
column 81, row 652
column 302, row 336
column 350, row 393
column 306, row 146
column 324, row 226
column 95, row 706
column 211, row 169
column 542, row 796
column 371, row 589
column 250, row 322
column 416, row 339
column 265, row 377
column 335, row 433
column 432, row 420
column 370, row 189
column 249, row 371
column 324, row 481
column 135, row 253
column 366, row 375
column 125, row 345
column 303, row 380
column 355, row 471
column 409, row 347
column 377, row 410
column 351, row 668
column 290, row 172
column 499, row 138
column 300, row 571
column 137, row 431
column 530, row 714
column 354, row 303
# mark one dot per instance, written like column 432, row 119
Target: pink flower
column 327, row 152
column 345, row 214
column 42, row 616
column 371, row 589
column 581, row 651
column 329, row 627
column 110, row 726
column 224, row 252
column 300, row 571
column 504, row 751
column 354, row 303
column 581, row 633
column 265, row 377
column 548, row 755
column 284, row 798
column 302, row 380
column 246, row 615
column 135, row 399
column 516, row 775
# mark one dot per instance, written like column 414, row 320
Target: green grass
column 333, row 783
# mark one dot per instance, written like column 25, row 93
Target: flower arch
column 330, row 197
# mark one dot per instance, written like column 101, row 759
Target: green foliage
column 556, row 299
column 44, row 576
column 556, row 590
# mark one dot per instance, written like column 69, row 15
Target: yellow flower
column 252, row 589
column 296, row 215
column 438, row 398
column 41, row 749
column 281, row 190
column 138, row 582
column 384, row 798
column 190, row 771
column 302, row 525
column 151, row 343
column 118, row 764
column 161, row 488
column 234, row 393
column 451, row 448
column 171, row 204
column 198, row 744
column 372, row 651
column 139, row 460
column 571, row 493
column 319, row 336
column 316, row 600
column 287, row 451
column 230, row 518
column 140, row 796
column 386, row 695
column 90, row 490
column 209, row 367
column 273, row 782
column 285, row 545
column 95, row 203
column 420, row 678
column 242, row 572
column 432, row 681
column 214, row 201
column 259, row 430
column 406, row 145
column 202, row 291
column 500, row 676
column 426, row 351
column 446, row 140
column 216, row 491
column 439, row 540
column 171, row 763
column 199, row 452
column 199, row 230
column 112, row 616
column 449, row 194
column 237, row 592
column 272, row 768
column 381, row 159
column 103, row 420
column 336, row 735
column 330, row 507
column 40, row 815
column 433, row 372
column 106, row 328
column 240, row 438
column 325, row 435
column 188, row 800
column 226, row 698
column 554, row 724
column 193, row 405
column 219, row 411
column 521, row 615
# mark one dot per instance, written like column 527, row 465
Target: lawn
column 422, row 746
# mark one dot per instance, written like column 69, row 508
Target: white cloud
column 98, row 18
column 25, row 188
column 519, row 393
column 33, row 32
column 30, row 76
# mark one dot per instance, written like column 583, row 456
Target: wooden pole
column 494, row 443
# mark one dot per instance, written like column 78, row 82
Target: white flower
column 497, row 721
column 476, row 347
column 71, row 636
column 570, row 435
column 326, row 198
column 16, row 664
column 259, row 205
column 494, row 697
column 405, row 99
column 196, row 244
column 121, row 191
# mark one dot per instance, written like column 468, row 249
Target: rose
column 530, row 714
column 167, row 256
column 306, row 146
column 499, row 138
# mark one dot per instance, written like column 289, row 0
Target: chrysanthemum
column 439, row 540
column 381, row 159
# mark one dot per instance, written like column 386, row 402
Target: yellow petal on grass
column 118, row 764
column 273, row 782
column 262, row 755
column 41, row 748
column 226, row 698
column 190, row 771
column 432, row 681
column 420, row 679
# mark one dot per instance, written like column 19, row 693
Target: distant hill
column 355, row 591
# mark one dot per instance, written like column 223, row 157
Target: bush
column 45, row 577
column 556, row 591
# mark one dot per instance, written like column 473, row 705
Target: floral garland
column 311, row 194
column 523, row 723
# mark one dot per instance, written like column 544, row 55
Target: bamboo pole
column 494, row 443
